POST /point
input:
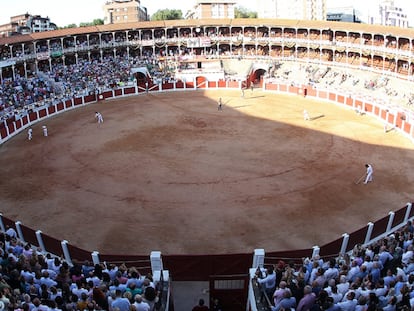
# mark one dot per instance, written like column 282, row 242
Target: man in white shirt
column 370, row 172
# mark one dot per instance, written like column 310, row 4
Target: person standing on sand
column 306, row 116
column 99, row 117
column 370, row 172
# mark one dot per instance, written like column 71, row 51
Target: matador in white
column 98, row 116
column 370, row 172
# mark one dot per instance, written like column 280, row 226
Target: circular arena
column 278, row 165
column 167, row 170
column 183, row 177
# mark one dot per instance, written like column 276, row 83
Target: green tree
column 96, row 21
column 167, row 14
column 241, row 12
column 69, row 26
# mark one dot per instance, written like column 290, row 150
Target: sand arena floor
column 170, row 172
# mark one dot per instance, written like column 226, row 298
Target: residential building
column 124, row 11
column 292, row 9
column 345, row 14
column 25, row 24
column 205, row 9
column 392, row 15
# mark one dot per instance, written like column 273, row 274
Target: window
column 218, row 10
column 221, row 11
column 214, row 10
column 230, row 10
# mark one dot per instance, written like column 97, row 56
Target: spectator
column 286, row 303
column 349, row 303
column 278, row 295
column 120, row 302
column 140, row 304
column 269, row 281
column 308, row 300
column 200, row 306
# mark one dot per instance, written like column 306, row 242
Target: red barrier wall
column 18, row 124
column 407, row 128
column 3, row 132
column 233, row 84
column 10, row 126
column 129, row 90
column 271, row 87
column 107, row 94
column 77, row 101
column 42, row 113
column 293, row 89
column 221, row 83
column 51, row 109
column 32, row 116
column 212, row 84
column 68, row 103
column 89, row 98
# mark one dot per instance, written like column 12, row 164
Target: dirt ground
column 170, row 172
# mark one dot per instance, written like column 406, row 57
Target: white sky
column 65, row 12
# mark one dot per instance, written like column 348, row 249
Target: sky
column 77, row 11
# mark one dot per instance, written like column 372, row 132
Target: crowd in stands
column 55, row 82
column 33, row 281
column 381, row 89
column 374, row 277
column 63, row 82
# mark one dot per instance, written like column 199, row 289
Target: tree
column 68, row 26
column 167, row 14
column 241, row 12
column 96, row 21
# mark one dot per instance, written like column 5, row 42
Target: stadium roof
column 284, row 23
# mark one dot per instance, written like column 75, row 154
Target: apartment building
column 391, row 14
column 205, row 9
column 25, row 24
column 124, row 11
